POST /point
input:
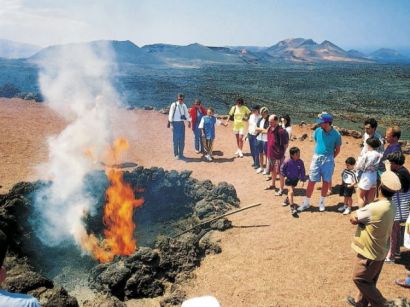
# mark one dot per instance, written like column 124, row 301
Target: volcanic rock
column 148, row 108
column 103, row 300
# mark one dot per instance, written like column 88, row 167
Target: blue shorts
column 262, row 147
column 321, row 168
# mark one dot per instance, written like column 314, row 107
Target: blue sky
column 360, row 24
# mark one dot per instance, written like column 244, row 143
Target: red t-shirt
column 278, row 138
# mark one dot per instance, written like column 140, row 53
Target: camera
column 183, row 117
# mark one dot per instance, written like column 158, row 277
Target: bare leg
column 325, row 187
column 309, row 189
column 282, row 181
column 240, row 141
column 371, row 194
column 273, row 173
column 290, row 195
column 361, row 195
column 349, row 202
column 237, row 140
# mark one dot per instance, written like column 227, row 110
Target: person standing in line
column 196, row 112
column 328, row 141
column 367, row 165
column 240, row 114
column 370, row 126
column 253, row 120
column 349, row 180
column 207, row 126
column 293, row 169
column 286, row 124
column 262, row 126
column 278, row 141
column 392, row 138
column 178, row 114
column 401, row 200
column 371, row 242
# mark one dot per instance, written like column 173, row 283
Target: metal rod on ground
column 218, row 217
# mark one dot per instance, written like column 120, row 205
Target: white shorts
column 368, row 180
column 239, row 131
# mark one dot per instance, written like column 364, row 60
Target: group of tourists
column 378, row 170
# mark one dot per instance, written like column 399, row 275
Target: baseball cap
column 390, row 181
column 324, row 118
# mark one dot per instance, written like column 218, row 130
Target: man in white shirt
column 7, row 298
column 178, row 113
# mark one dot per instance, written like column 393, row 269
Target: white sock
column 306, row 201
column 322, row 200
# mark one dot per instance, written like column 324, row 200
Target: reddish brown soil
column 269, row 258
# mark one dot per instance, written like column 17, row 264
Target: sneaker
column 303, row 207
column 389, row 260
column 259, row 170
column 294, row 212
column 265, row 172
column 279, row 192
column 347, row 211
column 342, row 208
column 237, row 152
column 322, row 207
column 240, row 154
column 285, row 202
column 210, row 158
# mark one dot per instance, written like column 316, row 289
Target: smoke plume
column 76, row 82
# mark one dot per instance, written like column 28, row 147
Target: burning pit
column 163, row 204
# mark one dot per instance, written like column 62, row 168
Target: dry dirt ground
column 269, row 258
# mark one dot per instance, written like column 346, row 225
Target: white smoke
column 75, row 82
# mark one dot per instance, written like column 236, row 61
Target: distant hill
column 385, row 55
column 124, row 51
column 194, row 54
column 15, row 50
column 307, row 50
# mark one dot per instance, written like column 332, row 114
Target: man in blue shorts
column 328, row 142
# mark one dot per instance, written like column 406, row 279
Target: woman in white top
column 285, row 122
column 253, row 120
column 262, row 140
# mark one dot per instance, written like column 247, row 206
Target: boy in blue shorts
column 328, row 142
column 207, row 127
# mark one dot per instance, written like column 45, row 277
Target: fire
column 118, row 213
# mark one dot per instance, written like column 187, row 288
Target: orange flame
column 118, row 214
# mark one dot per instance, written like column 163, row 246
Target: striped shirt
column 349, row 177
column 402, row 203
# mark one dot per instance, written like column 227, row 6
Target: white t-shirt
column 17, row 300
column 262, row 136
column 253, row 120
column 178, row 109
column 289, row 131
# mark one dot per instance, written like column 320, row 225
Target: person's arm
column 337, row 151
column 171, row 112
column 361, row 215
column 188, row 117
column 201, row 126
column 302, row 171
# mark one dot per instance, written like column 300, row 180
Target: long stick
column 218, row 217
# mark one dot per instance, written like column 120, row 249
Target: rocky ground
column 268, row 257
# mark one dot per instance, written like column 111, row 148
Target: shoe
column 240, row 154
column 197, row 151
column 268, row 178
column 303, row 207
column 351, row 301
column 342, row 208
column 176, row 158
column 259, row 170
column 237, row 152
column 389, row 260
column 265, row 172
column 279, row 192
column 285, row 202
column 322, row 207
column 347, row 211
column 294, row 212
column 210, row 158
